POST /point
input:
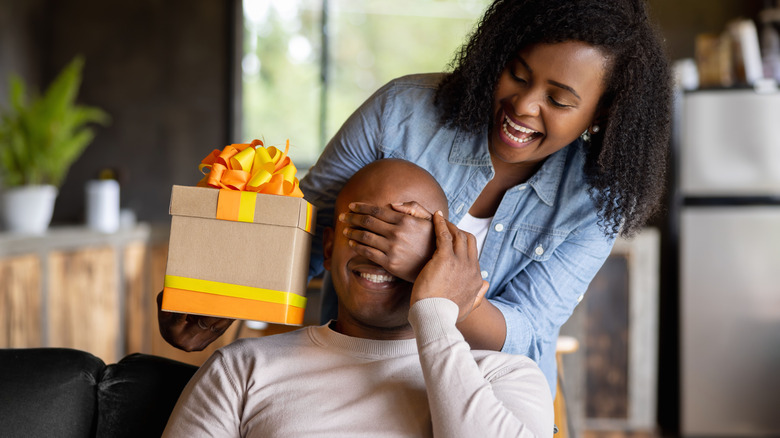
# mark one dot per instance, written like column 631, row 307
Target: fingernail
column 439, row 213
column 351, row 242
column 342, row 216
column 345, row 231
column 351, row 205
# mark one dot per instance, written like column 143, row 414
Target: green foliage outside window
column 370, row 43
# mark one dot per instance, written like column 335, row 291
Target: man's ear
column 327, row 247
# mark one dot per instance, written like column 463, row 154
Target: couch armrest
column 47, row 392
column 137, row 394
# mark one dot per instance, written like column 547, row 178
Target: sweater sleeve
column 210, row 405
column 498, row 395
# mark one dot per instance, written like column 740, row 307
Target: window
column 308, row 64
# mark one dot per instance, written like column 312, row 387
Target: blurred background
column 679, row 334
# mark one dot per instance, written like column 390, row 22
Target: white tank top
column 477, row 226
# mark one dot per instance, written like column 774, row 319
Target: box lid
column 286, row 211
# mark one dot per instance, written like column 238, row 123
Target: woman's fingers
column 453, row 273
column 480, row 295
column 444, row 234
column 383, row 214
column 381, row 220
column 368, row 251
column 412, row 208
column 398, row 242
column 367, row 238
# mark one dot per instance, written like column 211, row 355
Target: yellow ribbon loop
column 251, row 167
column 243, row 160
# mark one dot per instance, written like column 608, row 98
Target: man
column 392, row 364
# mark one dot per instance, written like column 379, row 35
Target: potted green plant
column 40, row 138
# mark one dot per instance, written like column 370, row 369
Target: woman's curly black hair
column 626, row 162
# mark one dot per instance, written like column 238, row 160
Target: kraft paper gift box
column 238, row 254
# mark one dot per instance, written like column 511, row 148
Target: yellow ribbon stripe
column 235, row 290
column 246, row 207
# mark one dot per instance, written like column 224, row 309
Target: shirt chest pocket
column 538, row 245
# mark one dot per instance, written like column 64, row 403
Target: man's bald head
column 392, row 181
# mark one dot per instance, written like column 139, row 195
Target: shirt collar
column 548, row 178
column 470, row 149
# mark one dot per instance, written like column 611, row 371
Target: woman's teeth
column 377, row 278
column 518, row 128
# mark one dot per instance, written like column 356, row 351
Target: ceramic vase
column 28, row 209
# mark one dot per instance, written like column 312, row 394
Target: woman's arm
column 502, row 395
column 539, row 298
column 523, row 311
column 485, row 327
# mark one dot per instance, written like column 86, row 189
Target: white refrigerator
column 729, row 263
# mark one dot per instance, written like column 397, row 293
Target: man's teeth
column 519, row 128
column 377, row 278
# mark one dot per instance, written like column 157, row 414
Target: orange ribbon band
column 201, row 303
column 236, row 206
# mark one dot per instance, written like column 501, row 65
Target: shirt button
column 522, row 187
column 459, row 209
column 499, row 227
column 539, row 250
column 484, row 274
column 579, row 298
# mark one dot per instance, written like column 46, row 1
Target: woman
column 501, row 134
column 549, row 138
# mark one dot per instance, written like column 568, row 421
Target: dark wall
column 160, row 68
column 19, row 43
column 681, row 20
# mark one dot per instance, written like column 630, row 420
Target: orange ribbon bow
column 251, row 167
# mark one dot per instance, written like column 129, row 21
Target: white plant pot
column 28, row 209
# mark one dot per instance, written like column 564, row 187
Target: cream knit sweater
column 315, row 382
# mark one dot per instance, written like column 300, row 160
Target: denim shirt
column 544, row 244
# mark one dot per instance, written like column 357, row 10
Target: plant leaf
column 40, row 139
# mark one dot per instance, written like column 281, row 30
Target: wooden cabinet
column 69, row 288
column 96, row 292
column 21, row 320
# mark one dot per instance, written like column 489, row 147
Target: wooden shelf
column 77, row 288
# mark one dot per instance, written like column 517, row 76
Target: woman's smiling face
column 545, row 98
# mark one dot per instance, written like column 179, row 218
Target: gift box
column 238, row 254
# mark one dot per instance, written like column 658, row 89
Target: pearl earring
column 595, row 128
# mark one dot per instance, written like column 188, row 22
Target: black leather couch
column 58, row 392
